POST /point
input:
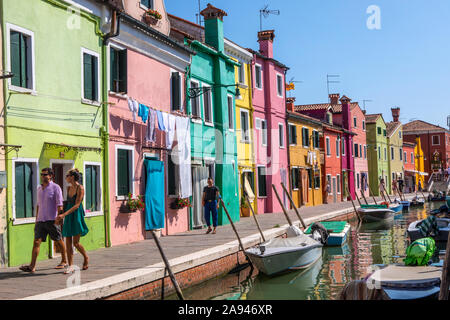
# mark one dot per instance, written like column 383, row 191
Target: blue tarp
column 154, row 195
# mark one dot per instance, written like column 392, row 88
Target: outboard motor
column 319, row 232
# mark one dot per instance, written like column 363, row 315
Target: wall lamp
column 197, row 92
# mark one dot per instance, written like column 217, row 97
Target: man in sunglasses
column 49, row 204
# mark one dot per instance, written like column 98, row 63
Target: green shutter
column 262, row 190
column 87, row 76
column 23, row 190
column 176, row 99
column 123, row 71
column 123, row 177
column 23, row 61
column 28, row 190
column 113, row 69
column 94, row 77
column 18, row 44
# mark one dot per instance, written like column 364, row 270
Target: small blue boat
column 337, row 232
column 396, row 207
column 405, row 204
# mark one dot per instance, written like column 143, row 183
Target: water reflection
column 368, row 244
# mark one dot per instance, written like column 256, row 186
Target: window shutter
column 23, row 61
column 94, row 78
column 113, row 69
column 20, row 190
column 123, row 176
column 18, row 44
column 87, row 73
column 88, row 177
column 176, row 99
column 123, row 71
column 172, row 182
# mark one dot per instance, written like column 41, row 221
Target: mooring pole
column 387, row 194
column 373, row 195
column 354, row 207
column 293, row 205
column 364, row 197
column 166, row 262
column 356, row 196
column 282, row 206
column 445, row 278
column 254, row 217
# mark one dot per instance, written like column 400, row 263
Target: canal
column 374, row 243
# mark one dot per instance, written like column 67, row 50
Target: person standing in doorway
column 327, row 192
column 209, row 202
column 74, row 225
column 49, row 204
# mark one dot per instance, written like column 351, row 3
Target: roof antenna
column 265, row 12
column 364, row 104
column 448, row 122
column 328, row 83
column 198, row 15
column 291, row 85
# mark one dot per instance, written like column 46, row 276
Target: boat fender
column 385, row 203
column 319, row 232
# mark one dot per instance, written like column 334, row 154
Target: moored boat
column 374, row 213
column 443, row 225
column 337, row 232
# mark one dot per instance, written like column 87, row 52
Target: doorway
column 200, row 176
column 334, row 190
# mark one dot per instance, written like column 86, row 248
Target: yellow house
column 304, row 157
column 419, row 165
column 244, row 124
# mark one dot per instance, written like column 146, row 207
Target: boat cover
column 293, row 242
column 399, row 276
column 420, row 252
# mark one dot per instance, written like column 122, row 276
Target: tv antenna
column 265, row 12
column 331, row 81
column 448, row 122
column 292, row 82
column 198, row 15
column 364, row 104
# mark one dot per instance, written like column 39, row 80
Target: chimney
column 214, row 26
column 265, row 39
column 334, row 98
column 346, row 116
column 395, row 113
column 290, row 104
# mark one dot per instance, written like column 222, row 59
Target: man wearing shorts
column 49, row 204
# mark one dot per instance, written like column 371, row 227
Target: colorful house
column 419, row 164
column 395, row 150
column 377, row 149
column 358, row 123
column 54, row 123
column 3, row 211
column 143, row 48
column 305, row 171
column 269, row 103
column 211, row 106
column 244, row 124
column 409, row 164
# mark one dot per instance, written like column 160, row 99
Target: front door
column 334, row 190
column 199, row 181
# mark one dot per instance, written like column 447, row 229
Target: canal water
column 374, row 243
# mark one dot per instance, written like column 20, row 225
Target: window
column 392, row 153
column 384, row 132
column 195, row 102
column 365, row 152
column 175, row 82
column 412, row 157
column 207, row 105
column 262, row 192
column 292, row 134
column 305, row 137
column 264, row 132
column 230, row 113
column 316, row 141
column 279, row 85
column 211, row 165
column 317, row 179
column 385, row 154
column 378, row 130
column 295, row 178
column 91, row 83
column 329, row 182
column 329, row 118
column 338, row 183
column 355, row 146
column 338, row 146
column 357, row 181
column 92, row 180
column 379, row 153
column 327, row 146
column 281, row 134
column 118, row 70
column 171, row 181
column 364, row 125
column 241, row 73
column 310, row 178
column 405, row 157
column 435, row 140
column 124, row 170
column 343, row 146
column 258, row 80
column 147, row 4
column 401, row 154
column 360, row 151
column 25, row 189
column 354, row 122
column 21, row 58
column 245, row 132
column 393, row 176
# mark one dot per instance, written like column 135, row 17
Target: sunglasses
column 44, row 174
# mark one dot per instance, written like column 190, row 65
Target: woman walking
column 74, row 226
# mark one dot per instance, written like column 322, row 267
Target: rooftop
column 419, row 125
column 391, row 127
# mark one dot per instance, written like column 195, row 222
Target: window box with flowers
column 181, row 204
column 152, row 16
column 132, row 204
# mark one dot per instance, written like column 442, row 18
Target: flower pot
column 150, row 19
column 125, row 209
column 245, row 212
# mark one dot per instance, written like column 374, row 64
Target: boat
column 417, row 203
column 443, row 226
column 374, row 213
column 297, row 251
column 396, row 207
column 337, row 232
column 405, row 204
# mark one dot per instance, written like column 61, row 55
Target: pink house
column 269, row 102
column 148, row 67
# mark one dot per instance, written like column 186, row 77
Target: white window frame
column 357, row 181
column 338, row 184
column 208, row 123
column 36, row 183
column 364, row 125
column 432, row 140
column 199, row 119
column 412, row 157
column 264, row 134
column 355, row 122
column 342, row 146
column 309, row 142
column 281, row 131
column 144, row 7
column 293, row 187
column 232, row 111
column 331, row 183
column 248, row 126
column 129, row 148
column 100, row 186
column 289, row 131
column 405, row 156
column 279, row 75
column 241, row 72
column 365, row 152
column 257, row 179
column 108, row 71
column 260, row 77
column 385, row 154
column 257, row 120
column 95, row 54
column 338, row 149
column 327, row 147
column 11, row 27
column 318, row 147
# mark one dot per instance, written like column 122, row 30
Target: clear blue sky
column 405, row 64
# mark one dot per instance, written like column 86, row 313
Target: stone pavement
column 107, row 262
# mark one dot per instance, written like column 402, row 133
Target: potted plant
column 181, row 203
column 152, row 16
column 245, row 209
column 132, row 204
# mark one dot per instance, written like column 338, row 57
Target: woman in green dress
column 74, row 226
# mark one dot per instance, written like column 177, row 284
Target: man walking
column 49, row 204
column 209, row 202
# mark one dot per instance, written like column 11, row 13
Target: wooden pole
column 293, row 204
column 364, row 197
column 166, row 262
column 254, row 217
column 387, row 194
column 282, row 206
column 232, row 225
column 373, row 195
column 354, row 207
column 445, row 278
column 356, row 196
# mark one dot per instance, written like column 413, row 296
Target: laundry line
column 50, row 111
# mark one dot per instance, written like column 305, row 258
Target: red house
column 409, row 166
column 332, row 165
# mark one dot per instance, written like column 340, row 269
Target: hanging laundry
column 154, row 195
column 183, row 127
column 171, row 120
column 143, row 112
column 165, row 117
column 135, row 109
column 150, row 134
column 160, row 121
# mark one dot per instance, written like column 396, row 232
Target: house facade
column 358, row 124
column 3, row 210
column 395, row 148
column 269, row 103
column 419, row 164
column 409, row 164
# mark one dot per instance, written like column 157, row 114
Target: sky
column 405, row 63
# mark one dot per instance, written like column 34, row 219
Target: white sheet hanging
column 171, row 130
column 183, row 128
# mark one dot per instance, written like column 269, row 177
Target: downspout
column 286, row 126
column 105, row 127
